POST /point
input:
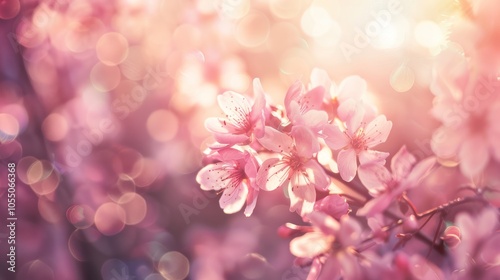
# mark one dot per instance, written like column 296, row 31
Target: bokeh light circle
column 81, row 216
column 285, row 8
column 162, row 125
column 104, row 77
column 55, row 127
column 135, row 208
column 429, row 34
column 174, row 266
column 402, row 79
column 9, row 8
column 112, row 48
column 253, row 30
column 110, row 218
column 9, row 128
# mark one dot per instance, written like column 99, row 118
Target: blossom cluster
column 359, row 203
column 263, row 147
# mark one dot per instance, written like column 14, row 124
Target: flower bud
column 333, row 205
column 451, row 236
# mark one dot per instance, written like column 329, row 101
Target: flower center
column 295, row 162
column 358, row 141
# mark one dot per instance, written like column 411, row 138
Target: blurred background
column 102, row 106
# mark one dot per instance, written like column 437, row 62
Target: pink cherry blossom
column 330, row 246
column 354, row 138
column 296, row 169
column 305, row 107
column 242, row 121
column 235, row 177
column 386, row 186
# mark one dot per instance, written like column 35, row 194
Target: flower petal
column 253, row 193
column 375, row 206
column 276, row 141
column 347, row 164
column 377, row 131
column 315, row 270
column 213, row 176
column 317, row 175
column 314, row 119
column 325, row 223
column 352, row 113
column 257, row 116
column 234, row 196
column 420, row 171
column 259, row 99
column 331, row 269
column 309, row 245
column 350, row 231
column 312, row 99
column 235, row 106
column 293, row 93
column 302, row 194
column 334, row 137
column 306, row 143
column 374, row 176
column 372, row 156
column 272, row 174
column 402, row 163
column 251, row 165
column 293, row 113
column 230, row 154
column 224, row 132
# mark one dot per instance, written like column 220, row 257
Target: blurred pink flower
column 386, row 186
column 242, row 121
column 330, row 246
column 477, row 251
column 235, row 175
column 296, row 168
column 305, row 107
column 468, row 108
column 356, row 138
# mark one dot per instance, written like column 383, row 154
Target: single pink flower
column 235, row 177
column 306, row 107
column 386, row 186
column 295, row 169
column 330, row 245
column 242, row 121
column 354, row 138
